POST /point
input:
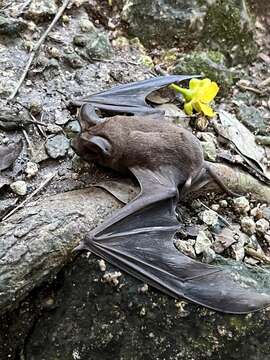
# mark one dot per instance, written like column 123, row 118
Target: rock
column 146, row 60
column 223, row 203
column 256, row 212
column 262, row 226
column 73, row 127
column 248, row 225
column 73, row 60
column 40, row 10
column 209, row 255
column 209, row 217
column 252, row 118
column 11, row 27
column 61, row 117
column 98, row 46
column 224, row 25
column 202, row 242
column 80, row 40
column 54, row 129
column 225, row 238
column 186, row 247
column 102, row 265
column 57, row 146
column 266, row 213
column 112, row 277
column 262, row 140
column 19, row 187
column 6, row 205
column 209, row 150
column 31, row 169
column 86, row 25
column 238, row 249
column 241, row 205
column 210, row 64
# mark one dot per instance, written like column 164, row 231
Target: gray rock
column 209, row 150
column 73, row 60
column 202, row 242
column 209, row 217
column 248, row 225
column 57, row 146
column 186, row 247
column 54, row 129
column 73, row 127
column 253, row 118
column 40, row 10
column 19, row 187
column 11, row 27
column 262, row 140
column 241, row 205
column 224, row 25
column 262, row 226
column 209, row 255
column 6, row 205
column 98, row 46
column 31, row 169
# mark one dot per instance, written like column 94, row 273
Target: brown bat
column 168, row 163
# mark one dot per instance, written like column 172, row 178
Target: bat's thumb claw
column 79, row 247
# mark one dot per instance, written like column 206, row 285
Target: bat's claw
column 79, row 247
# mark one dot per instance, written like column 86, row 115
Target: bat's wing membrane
column 130, row 98
column 139, row 240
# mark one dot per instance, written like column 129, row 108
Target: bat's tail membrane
column 131, row 98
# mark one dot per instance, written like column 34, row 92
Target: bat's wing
column 130, row 98
column 139, row 240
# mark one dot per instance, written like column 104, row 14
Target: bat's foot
column 80, row 247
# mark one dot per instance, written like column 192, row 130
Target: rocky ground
column 56, row 306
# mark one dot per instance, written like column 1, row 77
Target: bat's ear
column 88, row 117
column 98, row 144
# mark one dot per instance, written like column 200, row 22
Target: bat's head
column 86, row 144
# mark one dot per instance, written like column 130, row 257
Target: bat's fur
column 149, row 142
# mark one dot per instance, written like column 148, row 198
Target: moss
column 210, row 64
column 230, row 28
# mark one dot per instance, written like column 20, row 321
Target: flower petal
column 209, row 92
column 205, row 109
column 194, row 83
column 188, row 108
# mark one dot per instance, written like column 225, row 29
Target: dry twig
column 37, row 46
column 42, row 185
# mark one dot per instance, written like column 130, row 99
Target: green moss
column 230, row 28
column 210, row 64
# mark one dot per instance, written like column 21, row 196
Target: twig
column 220, row 217
column 30, row 147
column 42, row 185
column 265, row 82
column 39, row 124
column 249, row 88
column 37, row 46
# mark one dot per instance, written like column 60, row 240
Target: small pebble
column 57, row 146
column 53, row 129
column 186, row 247
column 262, row 226
column 31, row 169
column 241, row 205
column 209, row 217
column 257, row 213
column 19, row 187
column 143, row 289
column 215, row 207
column 112, row 278
column 223, row 203
column 102, row 265
column 209, row 255
column 248, row 225
column 202, row 242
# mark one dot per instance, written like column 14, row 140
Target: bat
column 167, row 161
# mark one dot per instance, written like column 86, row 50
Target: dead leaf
column 123, row 190
column 8, row 154
column 244, row 142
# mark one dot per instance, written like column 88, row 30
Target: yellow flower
column 198, row 96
